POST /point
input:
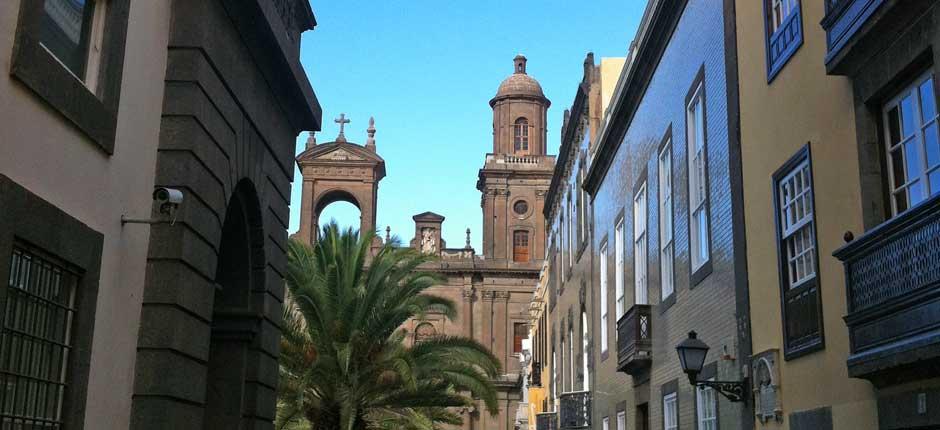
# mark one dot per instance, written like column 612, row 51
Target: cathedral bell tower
column 516, row 175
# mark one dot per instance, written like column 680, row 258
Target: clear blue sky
column 426, row 71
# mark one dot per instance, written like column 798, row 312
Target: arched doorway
column 339, row 206
column 240, row 271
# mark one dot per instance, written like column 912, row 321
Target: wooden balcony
column 893, row 287
column 575, row 410
column 546, row 421
column 635, row 340
column 843, row 21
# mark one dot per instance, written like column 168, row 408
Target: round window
column 520, row 207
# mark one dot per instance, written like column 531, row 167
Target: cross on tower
column 342, row 121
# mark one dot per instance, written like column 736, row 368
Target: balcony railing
column 893, row 287
column 546, row 421
column 634, row 340
column 843, row 20
column 575, row 410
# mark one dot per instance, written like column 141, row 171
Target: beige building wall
column 801, row 105
column 43, row 152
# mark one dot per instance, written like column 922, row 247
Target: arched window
column 520, row 246
column 521, row 135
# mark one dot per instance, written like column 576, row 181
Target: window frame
column 781, row 43
column 700, row 406
column 524, row 234
column 666, row 244
column 807, row 289
column 92, row 109
column 604, row 306
column 585, row 348
column 698, row 270
column 911, row 87
column 674, row 398
column 28, row 221
column 520, row 135
column 619, row 267
column 641, row 244
column 621, row 420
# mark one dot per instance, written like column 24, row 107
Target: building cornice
column 659, row 23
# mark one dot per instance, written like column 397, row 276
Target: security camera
column 169, row 199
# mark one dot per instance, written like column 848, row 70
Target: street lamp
column 692, row 352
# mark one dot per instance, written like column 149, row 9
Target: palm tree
column 345, row 364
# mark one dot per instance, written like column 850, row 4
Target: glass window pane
column 916, row 193
column 908, row 119
column 928, row 100
column 894, row 126
column 65, row 30
column 935, row 182
column 932, row 142
column 900, row 201
column 897, row 167
column 912, row 157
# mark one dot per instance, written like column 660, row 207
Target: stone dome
column 519, row 83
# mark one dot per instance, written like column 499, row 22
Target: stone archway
column 339, row 171
column 240, row 270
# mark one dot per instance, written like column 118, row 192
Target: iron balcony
column 575, row 410
column 546, row 421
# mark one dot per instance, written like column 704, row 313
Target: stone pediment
column 341, row 155
column 428, row 217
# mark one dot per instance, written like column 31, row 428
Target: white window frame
column 572, row 234
column 606, row 425
column 797, row 229
column 666, row 254
column 670, row 412
column 622, row 420
column 780, row 10
column 699, row 222
column 640, row 263
column 554, row 375
column 706, row 408
column 604, row 311
column 585, row 383
column 618, row 277
column 571, row 362
column 916, row 140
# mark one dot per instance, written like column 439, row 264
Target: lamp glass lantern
column 692, row 352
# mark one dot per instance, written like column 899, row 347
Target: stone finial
column 388, row 234
column 468, row 237
column 311, row 140
column 519, row 63
column 370, row 141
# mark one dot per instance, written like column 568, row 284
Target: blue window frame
column 783, row 25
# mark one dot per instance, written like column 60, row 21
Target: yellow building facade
column 798, row 144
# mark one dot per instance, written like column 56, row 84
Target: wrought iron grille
column 634, row 338
column 35, row 342
column 894, row 259
column 575, row 410
column 546, row 421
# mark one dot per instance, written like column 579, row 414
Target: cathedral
column 493, row 286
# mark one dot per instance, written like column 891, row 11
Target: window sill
column 667, row 303
column 794, row 353
column 700, row 274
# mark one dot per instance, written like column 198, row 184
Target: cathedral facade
column 492, row 287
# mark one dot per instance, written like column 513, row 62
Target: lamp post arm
column 735, row 391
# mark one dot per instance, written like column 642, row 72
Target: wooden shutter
column 520, row 246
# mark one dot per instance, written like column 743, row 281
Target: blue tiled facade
column 697, row 45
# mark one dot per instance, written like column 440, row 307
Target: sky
column 426, row 71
